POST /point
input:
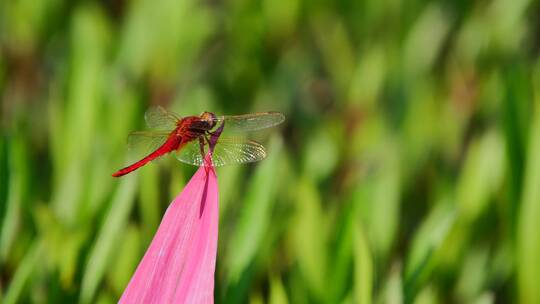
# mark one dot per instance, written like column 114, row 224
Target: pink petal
column 179, row 265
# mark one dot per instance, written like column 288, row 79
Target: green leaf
column 277, row 292
column 481, row 175
column 310, row 238
column 16, row 193
column 126, row 259
column 425, row 246
column 363, row 267
column 108, row 238
column 255, row 215
column 24, row 272
column 149, row 202
column 528, row 245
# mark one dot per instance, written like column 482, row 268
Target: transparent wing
column 141, row 143
column 251, row 122
column 160, row 119
column 227, row 151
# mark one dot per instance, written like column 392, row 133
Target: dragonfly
column 190, row 138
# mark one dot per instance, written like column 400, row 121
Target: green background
column 408, row 169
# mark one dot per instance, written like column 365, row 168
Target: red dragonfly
column 189, row 137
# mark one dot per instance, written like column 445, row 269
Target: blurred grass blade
column 229, row 179
column 342, row 254
column 426, row 296
column 24, row 272
column 256, row 212
column 528, row 245
column 392, row 291
column 474, row 276
column 377, row 197
column 88, row 41
column 426, row 39
column 481, row 175
column 112, row 229
column 16, row 192
column 426, row 243
column 363, row 267
column 278, row 295
column 515, row 115
column 310, row 238
column 125, row 260
column 149, row 199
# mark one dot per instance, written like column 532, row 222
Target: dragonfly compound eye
column 209, row 118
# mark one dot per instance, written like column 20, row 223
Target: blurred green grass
column 407, row 169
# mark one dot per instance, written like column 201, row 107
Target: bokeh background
column 408, row 170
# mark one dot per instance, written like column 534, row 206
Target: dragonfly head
column 209, row 118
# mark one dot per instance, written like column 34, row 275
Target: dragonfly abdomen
column 170, row 145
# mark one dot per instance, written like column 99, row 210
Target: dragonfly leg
column 201, row 145
column 216, row 131
column 209, row 143
column 210, row 148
